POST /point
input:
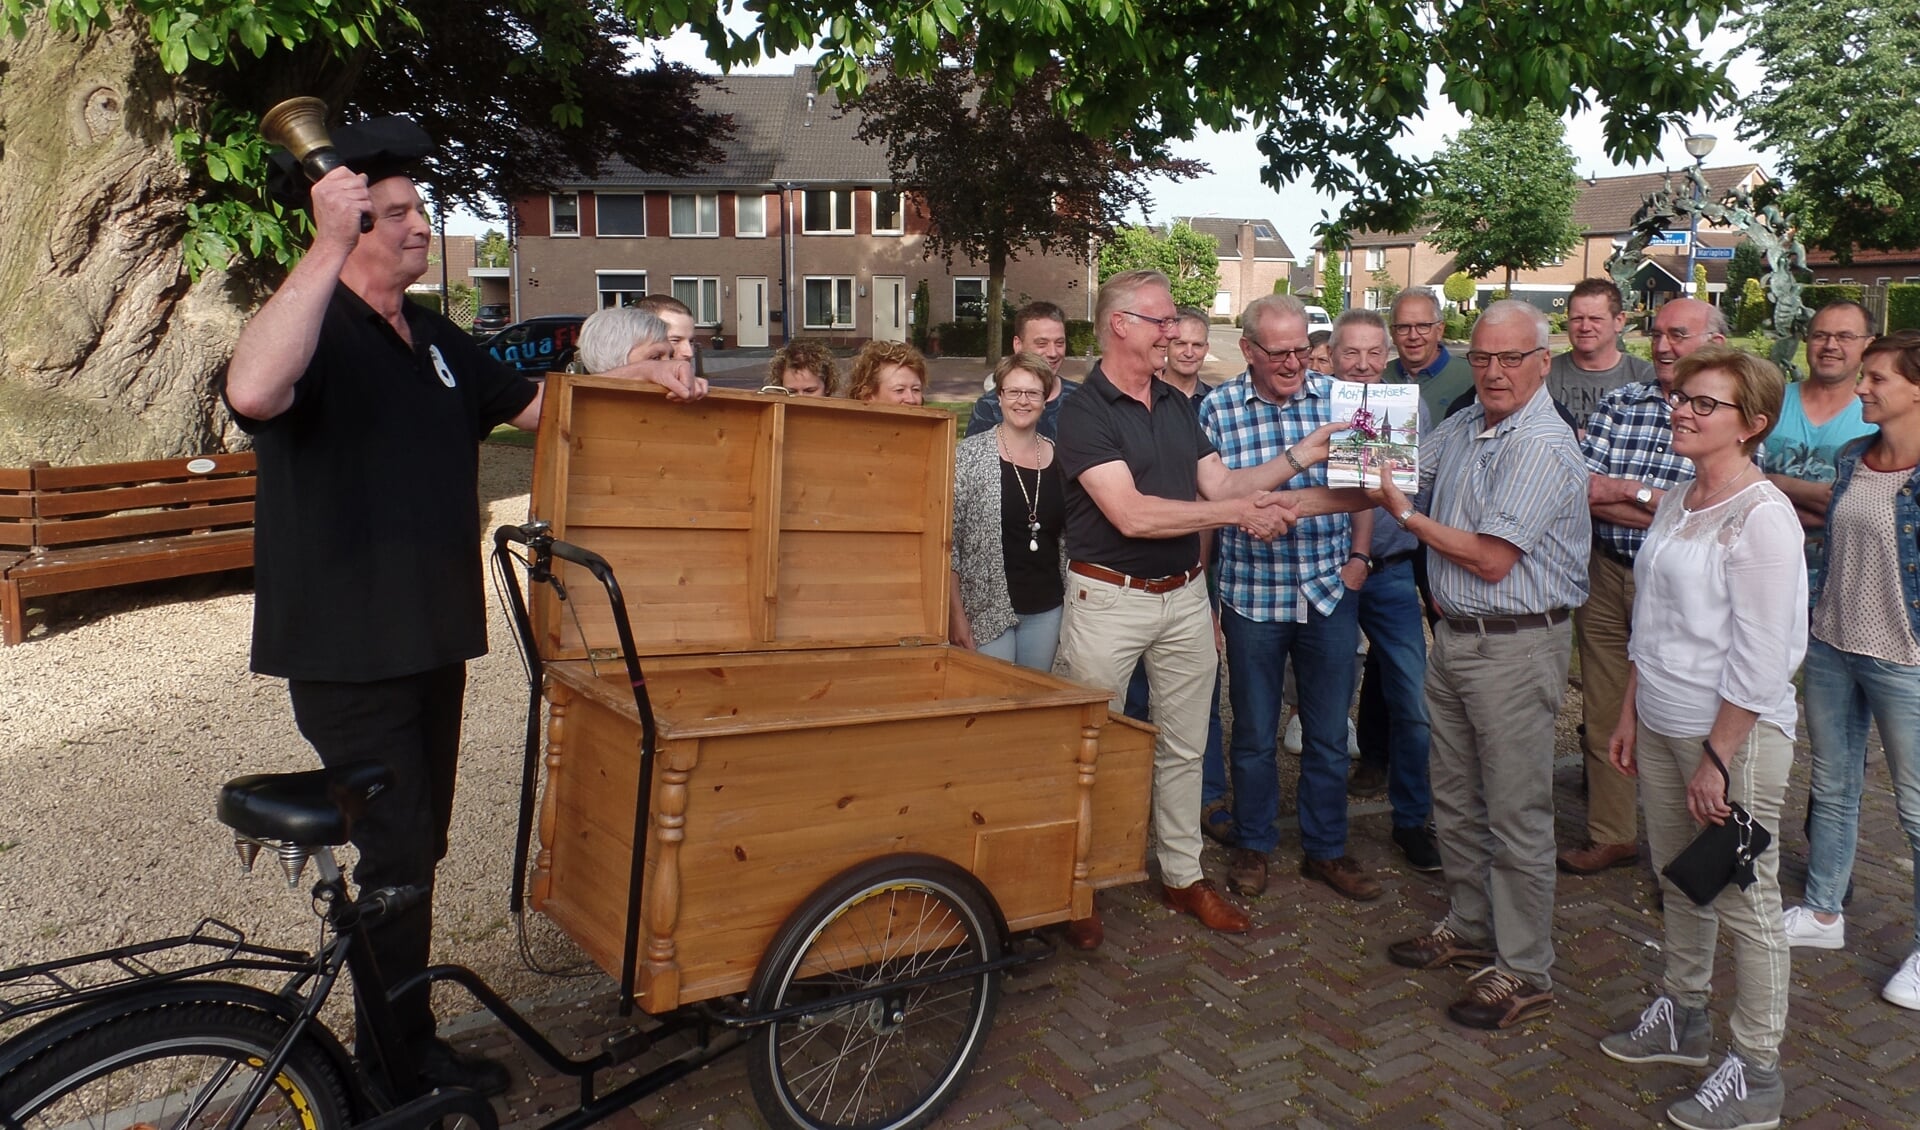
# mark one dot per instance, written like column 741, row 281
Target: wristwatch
column 1644, row 497
column 1404, row 517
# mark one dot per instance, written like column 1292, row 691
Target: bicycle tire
column 891, row 1062
column 152, row 1065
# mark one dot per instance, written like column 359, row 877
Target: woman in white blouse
column 1718, row 631
column 1864, row 661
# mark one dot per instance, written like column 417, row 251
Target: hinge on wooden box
column 911, row 641
column 598, row 653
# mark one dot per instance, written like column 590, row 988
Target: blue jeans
column 1213, row 762
column 1844, row 691
column 1030, row 642
column 1389, row 612
column 1257, row 654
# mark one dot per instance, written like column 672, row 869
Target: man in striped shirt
column 1503, row 513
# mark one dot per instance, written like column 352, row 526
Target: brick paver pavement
column 1303, row 1022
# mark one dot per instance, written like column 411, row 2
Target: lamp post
column 1698, row 146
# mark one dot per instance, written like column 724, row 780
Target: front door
column 889, row 308
column 750, row 312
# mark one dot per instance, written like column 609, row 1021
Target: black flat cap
column 376, row 148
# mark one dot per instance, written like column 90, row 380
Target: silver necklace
column 1032, row 500
column 1722, row 489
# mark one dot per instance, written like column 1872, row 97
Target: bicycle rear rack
column 211, row 947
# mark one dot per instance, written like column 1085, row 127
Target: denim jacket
column 1906, row 521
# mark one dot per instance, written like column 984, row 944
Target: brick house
column 1604, row 214
column 796, row 232
column 1253, row 256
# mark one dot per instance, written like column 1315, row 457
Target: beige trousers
column 1603, row 624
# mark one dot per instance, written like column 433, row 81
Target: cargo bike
column 771, row 801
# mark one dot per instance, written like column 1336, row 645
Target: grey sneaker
column 1737, row 1096
column 1665, row 1033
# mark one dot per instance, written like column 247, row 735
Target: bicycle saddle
column 313, row 809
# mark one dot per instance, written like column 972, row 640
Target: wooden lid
column 743, row 522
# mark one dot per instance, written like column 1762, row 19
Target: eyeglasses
column 1167, row 325
column 1299, row 355
column 1674, row 336
column 1701, row 405
column 1511, row 359
column 1413, row 327
column 1822, row 337
column 1022, row 394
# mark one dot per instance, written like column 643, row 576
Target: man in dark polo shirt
column 1143, row 482
column 367, row 411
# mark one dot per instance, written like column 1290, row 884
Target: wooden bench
column 71, row 529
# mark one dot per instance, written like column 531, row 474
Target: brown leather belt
column 1155, row 585
column 1507, row 625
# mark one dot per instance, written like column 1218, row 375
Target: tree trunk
column 106, row 352
column 996, row 302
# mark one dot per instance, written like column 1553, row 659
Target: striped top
column 1523, row 481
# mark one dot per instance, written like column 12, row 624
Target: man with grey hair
column 1502, row 513
column 1142, row 482
column 1287, row 603
column 1419, row 334
column 619, row 336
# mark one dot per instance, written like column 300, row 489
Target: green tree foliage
column 493, row 250
column 1747, row 263
column 1458, row 288
column 1333, row 285
column 1384, row 285
column 1837, row 103
column 1903, row 307
column 997, row 178
column 1283, row 286
column 922, row 315
column 1188, row 258
column 1329, row 89
column 1755, row 310
column 1700, row 281
column 516, row 92
column 1503, row 194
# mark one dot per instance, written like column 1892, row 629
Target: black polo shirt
column 367, row 522
column 1162, row 448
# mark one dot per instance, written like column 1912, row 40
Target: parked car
column 492, row 318
column 537, row 345
column 1318, row 319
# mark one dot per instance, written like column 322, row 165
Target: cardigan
column 979, row 552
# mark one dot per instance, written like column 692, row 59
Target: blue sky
column 1233, row 187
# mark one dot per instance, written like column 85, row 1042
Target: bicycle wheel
column 894, row 1060
column 173, row 1067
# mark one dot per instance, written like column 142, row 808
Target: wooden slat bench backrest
column 16, row 508
column 115, row 502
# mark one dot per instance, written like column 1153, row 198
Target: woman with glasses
column 1009, row 505
column 1709, row 715
column 1864, row 661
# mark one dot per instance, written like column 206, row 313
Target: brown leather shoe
column 1247, row 872
column 1437, row 950
column 1344, row 876
column 1591, row 858
column 1086, row 934
column 1216, row 820
column 1208, row 905
column 1497, row 999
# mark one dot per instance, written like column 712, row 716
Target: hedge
column 1903, row 306
column 969, row 339
column 1815, row 295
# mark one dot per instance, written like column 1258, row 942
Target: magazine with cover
column 1386, row 426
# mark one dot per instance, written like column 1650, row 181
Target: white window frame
column 673, row 229
column 601, row 292
column 600, row 229
column 956, row 296
column 739, row 229
column 553, row 215
column 837, row 282
column 1376, row 258
column 705, row 286
column 833, row 211
column 901, row 227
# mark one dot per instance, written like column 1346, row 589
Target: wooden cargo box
column 784, row 562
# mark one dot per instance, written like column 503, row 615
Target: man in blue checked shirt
column 1286, row 599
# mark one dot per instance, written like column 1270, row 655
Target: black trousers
column 412, row 724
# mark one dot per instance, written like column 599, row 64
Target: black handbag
column 1721, row 853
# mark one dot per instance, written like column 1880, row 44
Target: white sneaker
column 1353, row 740
column 1290, row 740
column 1903, row 988
column 1808, row 932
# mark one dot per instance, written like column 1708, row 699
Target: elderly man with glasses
column 1502, row 512
column 1422, row 357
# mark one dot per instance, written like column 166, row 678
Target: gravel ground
column 126, row 710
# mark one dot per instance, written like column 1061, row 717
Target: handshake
column 1267, row 514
